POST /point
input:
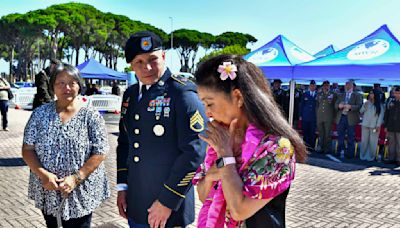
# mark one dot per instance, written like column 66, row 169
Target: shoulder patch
column 197, row 122
column 180, row 78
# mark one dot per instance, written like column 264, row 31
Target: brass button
column 136, row 159
column 137, row 131
column 136, row 145
column 137, row 117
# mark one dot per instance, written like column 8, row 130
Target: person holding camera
column 372, row 111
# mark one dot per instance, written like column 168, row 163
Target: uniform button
column 137, row 116
column 136, row 159
column 136, row 145
column 137, row 131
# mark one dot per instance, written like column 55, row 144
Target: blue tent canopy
column 277, row 57
column 326, row 51
column 93, row 69
column 374, row 59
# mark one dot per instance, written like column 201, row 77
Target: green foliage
column 63, row 30
column 236, row 49
column 232, row 38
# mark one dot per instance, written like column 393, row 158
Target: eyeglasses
column 63, row 84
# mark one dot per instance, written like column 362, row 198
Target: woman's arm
column 239, row 206
column 49, row 180
column 204, row 186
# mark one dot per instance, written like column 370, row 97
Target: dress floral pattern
column 267, row 169
column 63, row 148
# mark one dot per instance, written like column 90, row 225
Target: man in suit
column 326, row 99
column 308, row 115
column 348, row 105
column 158, row 146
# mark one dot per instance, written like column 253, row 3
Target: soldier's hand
column 50, row 181
column 158, row 215
column 121, row 203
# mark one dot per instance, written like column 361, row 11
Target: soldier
column 281, row 97
column 392, row 126
column 308, row 115
column 42, row 80
column 348, row 105
column 326, row 99
column 158, row 146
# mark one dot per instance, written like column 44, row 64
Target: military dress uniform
column 325, row 116
column 308, row 117
column 282, row 98
column 159, row 149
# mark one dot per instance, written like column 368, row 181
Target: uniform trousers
column 309, row 133
column 325, row 138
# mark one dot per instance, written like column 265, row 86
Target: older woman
column 250, row 164
column 64, row 146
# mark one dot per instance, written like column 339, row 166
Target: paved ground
column 325, row 193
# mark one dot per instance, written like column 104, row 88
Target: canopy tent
column 326, row 51
column 277, row 57
column 93, row 69
column 374, row 59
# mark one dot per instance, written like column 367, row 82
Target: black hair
column 259, row 104
column 377, row 101
column 70, row 70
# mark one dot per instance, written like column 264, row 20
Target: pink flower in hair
column 227, row 69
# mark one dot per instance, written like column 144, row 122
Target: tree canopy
column 64, row 31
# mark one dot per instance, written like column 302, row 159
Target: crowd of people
column 227, row 133
column 344, row 109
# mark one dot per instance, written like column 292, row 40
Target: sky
column 311, row 24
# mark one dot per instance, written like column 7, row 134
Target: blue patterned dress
column 62, row 149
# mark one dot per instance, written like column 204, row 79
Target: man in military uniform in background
column 326, row 99
column 281, row 96
column 392, row 126
column 42, row 81
column 308, row 115
column 298, row 94
column 158, row 146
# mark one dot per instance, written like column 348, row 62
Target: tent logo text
column 369, row 50
column 264, row 56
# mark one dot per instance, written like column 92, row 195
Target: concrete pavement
column 325, row 193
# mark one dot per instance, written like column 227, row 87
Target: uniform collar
column 160, row 82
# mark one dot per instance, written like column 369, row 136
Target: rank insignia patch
column 197, row 122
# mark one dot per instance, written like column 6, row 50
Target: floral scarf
column 267, row 169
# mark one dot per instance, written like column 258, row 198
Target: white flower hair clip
column 227, row 69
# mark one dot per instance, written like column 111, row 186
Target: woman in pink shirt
column 250, row 163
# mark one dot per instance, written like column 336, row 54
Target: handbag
column 10, row 94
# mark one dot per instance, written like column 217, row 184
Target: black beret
column 141, row 42
column 325, row 82
column 277, row 80
column 312, row 82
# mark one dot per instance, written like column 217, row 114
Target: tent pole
column 291, row 101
